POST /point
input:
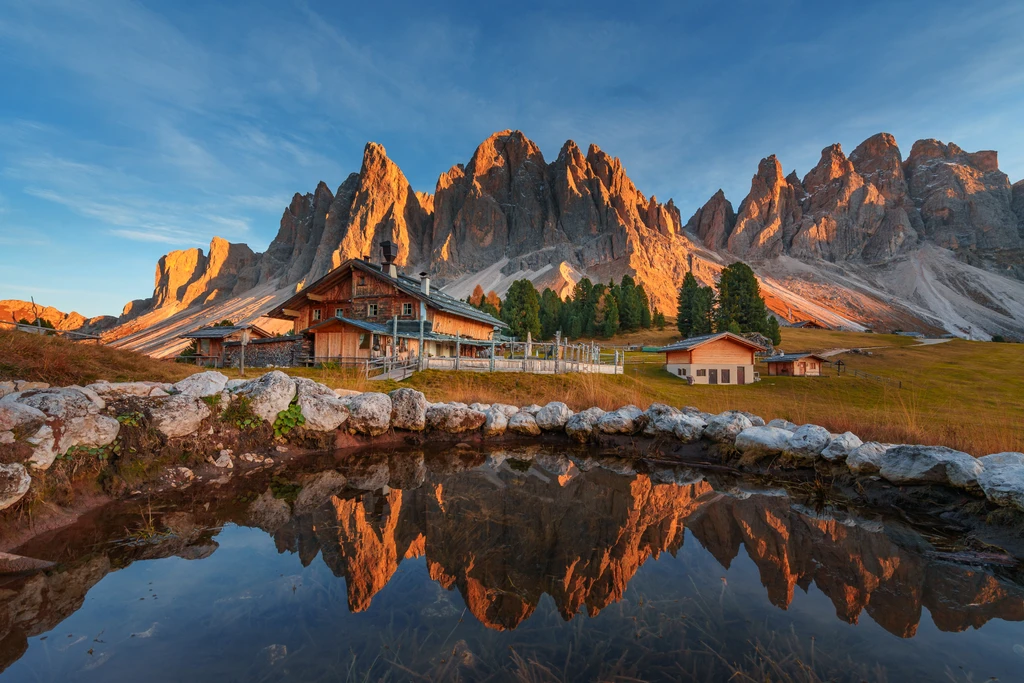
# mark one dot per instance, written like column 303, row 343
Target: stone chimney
column 425, row 283
column 389, row 252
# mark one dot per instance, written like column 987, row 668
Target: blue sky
column 128, row 129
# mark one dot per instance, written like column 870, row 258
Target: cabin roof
column 220, row 332
column 790, row 357
column 691, row 343
column 403, row 283
column 385, row 329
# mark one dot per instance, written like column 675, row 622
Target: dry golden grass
column 58, row 361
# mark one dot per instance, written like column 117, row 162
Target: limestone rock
column 1002, row 481
column 19, row 417
column 713, row 222
column 759, row 441
column 44, row 448
column 626, row 420
column 689, row 428
column 532, row 409
column 177, row 416
column 755, row 420
column 454, row 418
column 656, row 423
column 269, row 395
column 1000, row 459
column 343, row 393
column 508, row 410
column 581, row 425
column 322, row 409
column 807, row 443
column 480, row 407
column 496, row 422
column 867, row 458
column 553, row 416
column 523, row 422
column 840, row 447
column 111, row 390
column 202, row 384
column 726, row 426
column 409, row 409
column 370, row 413
column 930, row 465
column 14, row 483
column 783, row 424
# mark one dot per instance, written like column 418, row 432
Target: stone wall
column 282, row 352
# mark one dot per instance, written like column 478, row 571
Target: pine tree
column 774, row 333
column 629, row 304
column 740, row 302
column 606, row 323
column 696, row 303
column 646, row 317
column 550, row 313
column 521, row 310
column 658, row 319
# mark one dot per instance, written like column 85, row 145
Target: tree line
column 604, row 310
column 593, row 310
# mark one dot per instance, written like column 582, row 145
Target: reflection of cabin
column 796, row 365
column 210, row 340
column 358, row 310
column 723, row 358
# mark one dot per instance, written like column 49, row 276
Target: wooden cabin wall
column 447, row 323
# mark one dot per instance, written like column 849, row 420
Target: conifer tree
column 521, row 310
column 550, row 313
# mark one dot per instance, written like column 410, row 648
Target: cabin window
column 725, row 376
column 339, row 313
column 813, row 366
column 364, row 341
column 406, row 309
column 361, row 281
column 371, row 310
column 702, row 373
column 316, row 314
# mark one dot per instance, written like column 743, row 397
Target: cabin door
column 741, row 375
column 801, row 368
column 713, row 376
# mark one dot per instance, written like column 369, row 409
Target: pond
column 529, row 564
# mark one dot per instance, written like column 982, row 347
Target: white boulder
column 523, row 422
column 178, row 415
column 783, row 424
column 454, row 418
column 726, row 426
column 689, row 428
column 18, row 417
column 807, row 443
column 626, row 420
column 507, row 409
column 867, row 458
column 320, row 406
column 659, row 419
column 268, row 395
column 761, row 441
column 581, row 425
column 202, row 384
column 1002, row 479
column 841, row 446
column 496, row 422
column 480, row 407
column 370, row 413
column 409, row 409
column 553, row 416
column 930, row 465
column 532, row 409
column 14, row 483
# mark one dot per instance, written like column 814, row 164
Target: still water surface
column 481, row 566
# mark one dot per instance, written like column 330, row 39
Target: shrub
column 288, row 419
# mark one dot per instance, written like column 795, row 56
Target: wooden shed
column 210, row 340
column 796, row 365
column 723, row 358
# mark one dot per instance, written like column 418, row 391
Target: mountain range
column 933, row 242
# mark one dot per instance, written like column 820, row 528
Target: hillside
column 932, row 243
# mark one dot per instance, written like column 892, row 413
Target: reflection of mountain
column 504, row 535
column 503, row 538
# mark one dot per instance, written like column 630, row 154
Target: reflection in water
column 504, row 535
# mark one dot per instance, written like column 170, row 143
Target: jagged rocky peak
column 964, row 199
column 772, row 205
column 833, row 165
column 187, row 276
column 713, row 222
